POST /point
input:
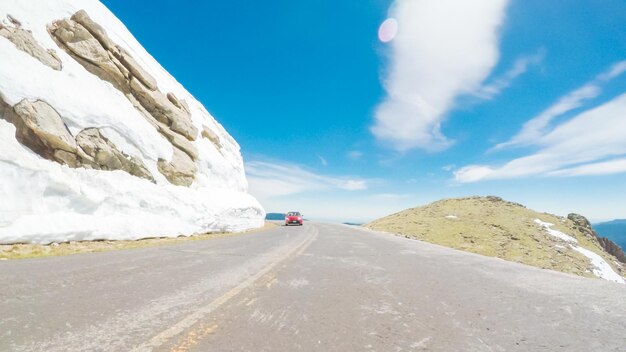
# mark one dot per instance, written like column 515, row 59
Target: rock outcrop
column 89, row 44
column 97, row 152
column 40, row 128
column 211, row 136
column 101, row 142
column 24, row 41
column 584, row 226
column 181, row 170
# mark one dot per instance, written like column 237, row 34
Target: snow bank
column 42, row 201
column 548, row 227
column 602, row 269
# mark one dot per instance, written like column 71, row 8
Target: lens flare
column 387, row 30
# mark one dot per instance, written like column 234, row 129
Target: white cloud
column 601, row 168
column 615, row 71
column 442, row 49
column 354, row 154
column 538, row 125
column 323, row 161
column 520, row 66
column 354, row 185
column 267, row 180
column 588, row 144
column 448, row 167
column 473, row 173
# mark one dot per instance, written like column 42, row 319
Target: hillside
column 493, row 227
column 614, row 230
column 98, row 141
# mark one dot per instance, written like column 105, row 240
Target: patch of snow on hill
column 602, row 269
column 548, row 227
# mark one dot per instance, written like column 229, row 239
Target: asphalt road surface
column 319, row 287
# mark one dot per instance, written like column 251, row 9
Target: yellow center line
column 190, row 320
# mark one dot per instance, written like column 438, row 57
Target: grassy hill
column 494, row 227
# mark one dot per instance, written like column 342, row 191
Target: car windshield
column 293, row 213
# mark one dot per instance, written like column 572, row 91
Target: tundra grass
column 24, row 251
column 492, row 227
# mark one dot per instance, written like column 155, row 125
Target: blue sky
column 521, row 99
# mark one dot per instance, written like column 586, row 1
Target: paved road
column 318, row 287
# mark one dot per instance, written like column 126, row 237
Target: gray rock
column 89, row 44
column 172, row 98
column 101, row 154
column 41, row 128
column 70, row 159
column 95, row 29
column 179, row 141
column 176, row 139
column 181, row 171
column 88, row 51
column 162, row 109
column 137, row 71
column 14, row 21
column 80, row 41
column 24, row 41
column 583, row 225
column 210, row 135
column 184, row 105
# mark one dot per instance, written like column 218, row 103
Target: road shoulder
column 26, row 250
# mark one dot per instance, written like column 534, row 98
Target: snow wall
column 98, row 141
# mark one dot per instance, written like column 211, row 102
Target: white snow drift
column 42, row 201
column 601, row 268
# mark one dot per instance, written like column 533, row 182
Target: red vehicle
column 293, row 218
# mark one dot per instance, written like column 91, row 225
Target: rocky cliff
column 98, row 141
column 494, row 227
column 609, row 246
column 614, row 230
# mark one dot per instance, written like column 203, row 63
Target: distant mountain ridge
column 614, row 230
column 494, row 227
column 275, row 216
